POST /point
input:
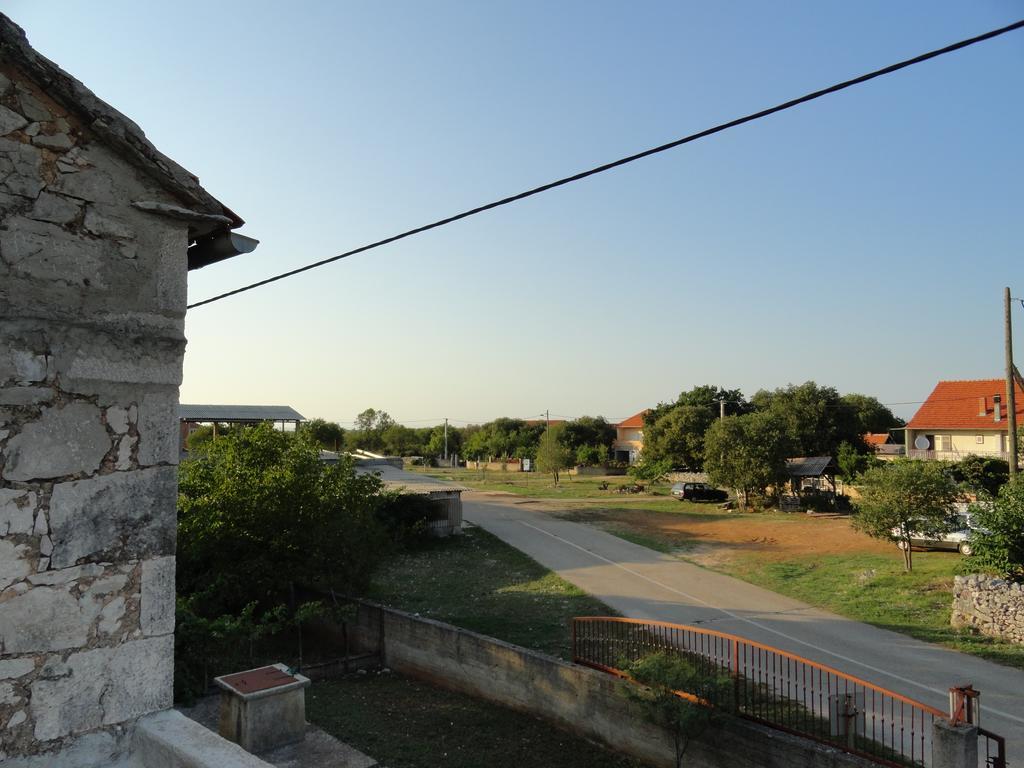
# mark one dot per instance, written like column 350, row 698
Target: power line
column 631, row 158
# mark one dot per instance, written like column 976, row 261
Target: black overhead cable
column 623, row 161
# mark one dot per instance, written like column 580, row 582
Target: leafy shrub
column 981, row 475
column 260, row 516
column 905, row 498
column 207, row 647
column 405, row 516
column 650, row 471
column 665, row 675
column 591, row 455
column 259, row 512
column 999, row 540
column 816, row 501
column 853, row 461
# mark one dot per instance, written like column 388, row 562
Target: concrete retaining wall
column 992, row 606
column 591, row 703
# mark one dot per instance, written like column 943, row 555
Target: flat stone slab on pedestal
column 264, row 708
column 318, row 750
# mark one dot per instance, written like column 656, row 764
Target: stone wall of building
column 992, row 606
column 92, row 303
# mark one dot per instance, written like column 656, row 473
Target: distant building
column 192, row 416
column 629, row 438
column 963, row 418
column 883, row 445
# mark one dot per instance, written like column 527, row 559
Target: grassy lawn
column 863, row 580
column 875, row 589
column 542, row 486
column 478, row 582
column 405, row 723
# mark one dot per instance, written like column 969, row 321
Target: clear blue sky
column 862, row 241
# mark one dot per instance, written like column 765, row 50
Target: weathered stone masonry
column 92, row 303
column 992, row 606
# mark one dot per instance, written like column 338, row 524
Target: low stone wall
column 512, row 465
column 600, row 471
column 992, row 606
column 585, row 701
column 688, row 477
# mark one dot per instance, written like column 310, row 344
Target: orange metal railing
column 773, row 687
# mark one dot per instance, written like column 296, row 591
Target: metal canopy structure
column 811, row 466
column 812, row 469
column 238, row 414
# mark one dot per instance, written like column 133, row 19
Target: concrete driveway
column 644, row 584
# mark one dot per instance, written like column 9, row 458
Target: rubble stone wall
column 92, row 304
column 992, row 606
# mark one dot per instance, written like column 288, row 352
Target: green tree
column 588, row 431
column 328, row 434
column 869, row 414
column 905, row 498
column 682, row 695
column 591, row 455
column 675, row 431
column 747, row 453
column 200, row 438
column 998, row 541
column 552, row 455
column 650, row 470
column 852, row 461
column 475, row 440
column 400, row 440
column 982, row 475
column 503, row 438
column 435, row 443
column 259, row 512
column 368, row 434
column 815, row 419
column 678, row 436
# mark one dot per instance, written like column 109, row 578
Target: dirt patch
column 712, row 537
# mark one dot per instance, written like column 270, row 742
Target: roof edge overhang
column 113, row 128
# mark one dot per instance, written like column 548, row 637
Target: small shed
column 447, row 519
column 811, row 472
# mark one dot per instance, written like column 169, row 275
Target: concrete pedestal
column 263, row 708
column 954, row 746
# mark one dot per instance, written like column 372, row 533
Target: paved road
column 644, row 584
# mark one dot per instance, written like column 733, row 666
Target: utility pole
column 446, row 438
column 547, row 415
column 721, row 408
column 1011, row 385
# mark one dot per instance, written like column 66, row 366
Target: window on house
column 979, row 439
column 944, row 442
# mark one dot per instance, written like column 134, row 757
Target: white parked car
column 957, row 538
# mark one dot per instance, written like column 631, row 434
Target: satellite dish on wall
column 922, row 443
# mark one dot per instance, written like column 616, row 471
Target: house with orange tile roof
column 873, row 439
column 629, row 438
column 963, row 418
column 883, row 445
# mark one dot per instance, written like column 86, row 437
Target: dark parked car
column 698, row 492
